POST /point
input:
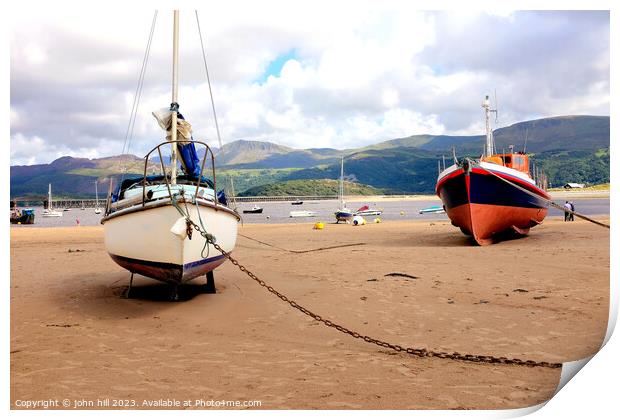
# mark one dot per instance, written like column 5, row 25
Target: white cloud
column 360, row 74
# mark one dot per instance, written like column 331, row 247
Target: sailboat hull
column 140, row 240
column 484, row 206
column 343, row 216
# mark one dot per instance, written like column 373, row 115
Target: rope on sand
column 303, row 251
column 550, row 202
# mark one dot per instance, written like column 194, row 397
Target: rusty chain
column 419, row 352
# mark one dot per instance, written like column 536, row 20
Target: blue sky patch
column 275, row 66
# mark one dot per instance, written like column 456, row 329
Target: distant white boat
column 302, row 213
column 433, row 210
column 49, row 211
column 367, row 211
column 255, row 209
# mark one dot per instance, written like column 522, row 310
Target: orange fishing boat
column 492, row 195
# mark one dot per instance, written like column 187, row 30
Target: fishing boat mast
column 490, row 145
column 174, row 106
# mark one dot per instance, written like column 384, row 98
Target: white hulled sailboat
column 49, row 211
column 142, row 220
column 343, row 214
column 97, row 208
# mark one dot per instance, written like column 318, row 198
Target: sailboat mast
column 174, row 106
column 96, row 195
column 49, row 196
column 342, row 180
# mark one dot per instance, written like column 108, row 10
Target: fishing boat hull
column 140, row 240
column 253, row 211
column 486, row 200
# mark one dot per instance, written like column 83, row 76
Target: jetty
column 75, row 203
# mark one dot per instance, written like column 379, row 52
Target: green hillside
column 310, row 187
column 569, row 149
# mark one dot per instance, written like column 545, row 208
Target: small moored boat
column 432, row 210
column 21, row 217
column 367, row 211
column 302, row 213
column 49, row 211
column 255, row 209
column 343, row 214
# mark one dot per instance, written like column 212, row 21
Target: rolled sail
column 187, row 150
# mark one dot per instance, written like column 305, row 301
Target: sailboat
column 492, row 195
column 49, row 211
column 145, row 232
column 97, row 208
column 343, row 214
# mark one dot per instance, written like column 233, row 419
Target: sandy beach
column 542, row 297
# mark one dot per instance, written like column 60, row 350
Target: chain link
column 419, row 352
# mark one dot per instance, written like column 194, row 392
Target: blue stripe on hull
column 487, row 189
column 168, row 272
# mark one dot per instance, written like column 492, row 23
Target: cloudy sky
column 300, row 77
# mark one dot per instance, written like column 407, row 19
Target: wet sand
column 543, row 297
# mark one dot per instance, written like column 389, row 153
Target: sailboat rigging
column 343, row 214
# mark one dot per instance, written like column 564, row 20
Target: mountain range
column 568, row 148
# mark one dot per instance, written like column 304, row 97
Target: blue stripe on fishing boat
column 487, row 189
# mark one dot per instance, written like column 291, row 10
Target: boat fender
column 358, row 220
column 377, row 220
column 402, row 213
column 180, row 228
column 319, row 226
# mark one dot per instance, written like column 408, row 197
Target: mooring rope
column 550, row 202
column 303, row 251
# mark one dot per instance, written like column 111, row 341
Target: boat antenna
column 496, row 108
column 174, row 106
column 490, row 145
column 454, row 155
column 525, row 144
column 204, row 59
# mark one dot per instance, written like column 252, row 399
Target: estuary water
column 278, row 212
